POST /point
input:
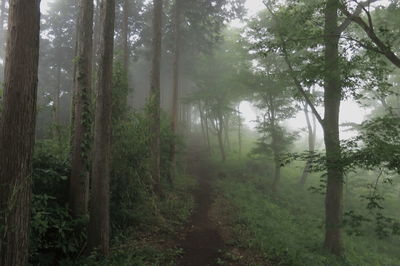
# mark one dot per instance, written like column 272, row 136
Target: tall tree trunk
column 96, row 41
column 154, row 100
column 175, row 81
column 17, row 130
column 99, row 223
column 311, row 144
column 79, row 179
column 3, row 16
column 332, row 97
column 125, row 38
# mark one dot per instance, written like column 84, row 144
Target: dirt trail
column 203, row 241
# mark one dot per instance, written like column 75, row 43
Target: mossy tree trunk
column 99, row 222
column 82, row 123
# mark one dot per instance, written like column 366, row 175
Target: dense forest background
column 125, row 132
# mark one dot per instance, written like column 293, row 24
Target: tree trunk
column 154, row 100
column 220, row 127
column 56, row 107
column 207, row 132
column 125, row 36
column 226, row 134
column 175, row 82
column 239, row 132
column 79, row 180
column 3, row 15
column 276, row 151
column 311, row 144
column 277, row 173
column 332, row 97
column 17, row 130
column 96, row 41
column 99, row 223
column 203, row 130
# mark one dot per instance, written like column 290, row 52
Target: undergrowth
column 287, row 227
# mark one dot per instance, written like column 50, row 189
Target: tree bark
column 17, row 130
column 175, row 81
column 99, row 223
column 82, row 124
column 332, row 97
column 3, row 16
column 154, row 100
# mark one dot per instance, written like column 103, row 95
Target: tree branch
column 385, row 49
column 298, row 84
column 357, row 12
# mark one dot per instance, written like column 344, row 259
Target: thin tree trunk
column 154, row 100
column 17, row 130
column 207, row 132
column 276, row 151
column 79, row 179
column 203, row 132
column 277, row 173
column 125, row 36
column 57, row 93
column 332, row 97
column 226, row 134
column 220, row 136
column 239, row 132
column 311, row 145
column 99, row 223
column 175, row 81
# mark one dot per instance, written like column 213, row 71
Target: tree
column 303, row 58
column 175, row 80
column 79, row 179
column 312, row 135
column 17, row 130
column 273, row 95
column 99, row 224
column 154, row 97
column 332, row 98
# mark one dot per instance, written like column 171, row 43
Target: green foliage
column 287, row 228
column 55, row 235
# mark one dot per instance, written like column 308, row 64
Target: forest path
column 203, row 242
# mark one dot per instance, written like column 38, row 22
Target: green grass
column 287, row 228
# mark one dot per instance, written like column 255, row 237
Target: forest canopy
column 198, row 132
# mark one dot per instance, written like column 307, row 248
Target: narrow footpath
column 203, row 242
